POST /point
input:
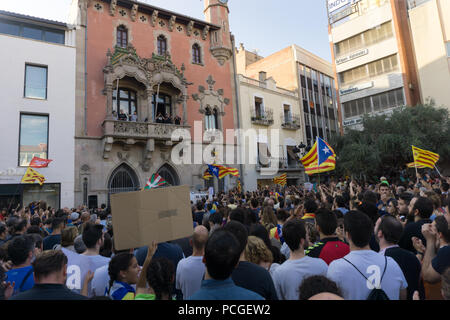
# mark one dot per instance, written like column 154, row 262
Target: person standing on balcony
column 133, row 117
column 122, row 116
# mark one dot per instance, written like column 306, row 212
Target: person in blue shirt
column 221, row 258
column 21, row 253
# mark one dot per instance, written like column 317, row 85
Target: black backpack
column 377, row 293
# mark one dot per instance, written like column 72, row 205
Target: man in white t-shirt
column 363, row 270
column 79, row 264
column 289, row 276
column 191, row 270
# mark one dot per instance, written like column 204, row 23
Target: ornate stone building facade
column 143, row 73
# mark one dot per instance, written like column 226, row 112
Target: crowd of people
column 160, row 118
column 340, row 240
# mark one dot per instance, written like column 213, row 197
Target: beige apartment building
column 310, row 76
column 292, row 91
column 429, row 21
column 373, row 57
column 265, row 107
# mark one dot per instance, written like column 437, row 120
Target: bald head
column 200, row 237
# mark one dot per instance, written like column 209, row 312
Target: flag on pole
column 221, row 171
column 39, row 163
column 424, row 157
column 207, row 175
column 155, row 181
column 281, row 180
column 31, row 176
column 321, row 158
column 413, row 165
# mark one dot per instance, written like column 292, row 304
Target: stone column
column 150, row 105
column 109, row 101
column 184, row 122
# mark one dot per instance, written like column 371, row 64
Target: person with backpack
column 364, row 274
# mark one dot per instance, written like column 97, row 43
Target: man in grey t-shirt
column 361, row 271
column 191, row 270
column 288, row 277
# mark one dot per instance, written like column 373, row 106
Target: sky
column 267, row 26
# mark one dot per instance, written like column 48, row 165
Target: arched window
column 211, row 119
column 169, row 174
column 162, row 45
column 196, row 54
column 122, row 37
column 123, row 179
column 127, row 102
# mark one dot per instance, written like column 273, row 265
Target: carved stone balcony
column 139, row 130
column 129, row 133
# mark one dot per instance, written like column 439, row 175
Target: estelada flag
column 31, row 176
column 39, row 163
column 424, row 157
column 207, row 175
column 321, row 158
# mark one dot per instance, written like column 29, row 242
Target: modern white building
column 37, row 94
column 372, row 57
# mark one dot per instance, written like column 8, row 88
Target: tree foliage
column 383, row 147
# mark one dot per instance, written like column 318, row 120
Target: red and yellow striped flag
column 31, row 176
column 413, row 165
column 426, row 158
column 281, row 180
column 225, row 171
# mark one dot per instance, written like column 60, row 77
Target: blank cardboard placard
column 162, row 214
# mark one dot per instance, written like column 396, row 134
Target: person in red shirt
column 329, row 248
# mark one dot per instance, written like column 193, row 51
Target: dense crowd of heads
column 272, row 233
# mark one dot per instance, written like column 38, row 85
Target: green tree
column 384, row 145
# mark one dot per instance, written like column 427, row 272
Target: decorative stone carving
column 179, row 28
column 123, row 13
column 196, row 33
column 130, row 128
column 221, row 54
column 98, row 6
column 143, row 18
column 190, row 28
column 211, row 98
column 172, row 23
column 154, row 17
column 112, row 7
column 108, row 142
column 85, row 167
column 145, row 165
column 205, row 32
column 161, row 23
column 134, row 10
column 123, row 156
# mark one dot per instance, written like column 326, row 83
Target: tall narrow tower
column 216, row 12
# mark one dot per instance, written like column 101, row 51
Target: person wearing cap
column 73, row 219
